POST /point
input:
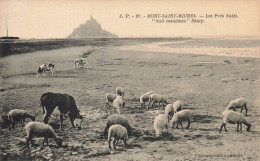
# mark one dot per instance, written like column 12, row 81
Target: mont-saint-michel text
column 179, row 18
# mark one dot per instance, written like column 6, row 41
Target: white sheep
column 145, row 97
column 118, row 104
column 118, row 119
column 160, row 122
column 177, row 106
column 184, row 115
column 110, row 97
column 40, row 129
column 16, row 115
column 237, row 103
column 169, row 111
column 156, row 98
column 118, row 132
column 120, row 91
column 233, row 117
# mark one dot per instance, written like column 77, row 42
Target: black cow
column 66, row 104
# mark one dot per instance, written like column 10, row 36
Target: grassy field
column 204, row 83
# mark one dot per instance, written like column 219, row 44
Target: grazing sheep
column 18, row 115
column 177, row 106
column 40, row 129
column 110, row 97
column 120, row 91
column 169, row 111
column 118, row 119
column 118, row 104
column 66, row 104
column 233, row 117
column 145, row 97
column 237, row 103
column 160, row 122
column 156, row 98
column 184, row 115
column 118, row 132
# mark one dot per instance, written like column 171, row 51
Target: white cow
column 81, row 63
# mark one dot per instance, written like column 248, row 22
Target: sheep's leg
column 29, row 138
column 221, row 128
column 237, row 126
column 23, row 120
column 9, row 125
column 225, row 127
column 114, row 144
column 240, row 126
column 107, row 104
column 177, row 126
column 181, row 125
column 109, row 140
column 27, row 142
column 124, row 142
column 246, row 110
column 241, row 109
column 45, row 140
column 188, row 124
column 13, row 123
column 149, row 103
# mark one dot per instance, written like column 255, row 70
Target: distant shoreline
column 13, row 47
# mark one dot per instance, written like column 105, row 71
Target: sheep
column 16, row 115
column 145, row 97
column 40, row 129
column 118, row 119
column 177, row 106
column 110, row 97
column 156, row 98
column 237, row 103
column 118, row 104
column 160, row 122
column 118, row 132
column 184, row 115
column 169, row 111
column 120, row 91
column 233, row 117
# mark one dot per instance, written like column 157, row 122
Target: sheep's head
column 59, row 142
column 174, row 120
column 172, row 124
column 33, row 118
column 248, row 127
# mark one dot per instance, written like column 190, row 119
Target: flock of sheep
column 118, row 127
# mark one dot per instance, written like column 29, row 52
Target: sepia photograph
column 129, row 80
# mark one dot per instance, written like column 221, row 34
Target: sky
column 57, row 18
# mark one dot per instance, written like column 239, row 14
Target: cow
column 46, row 67
column 66, row 105
column 81, row 63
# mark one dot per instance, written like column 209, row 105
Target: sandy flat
column 205, row 83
